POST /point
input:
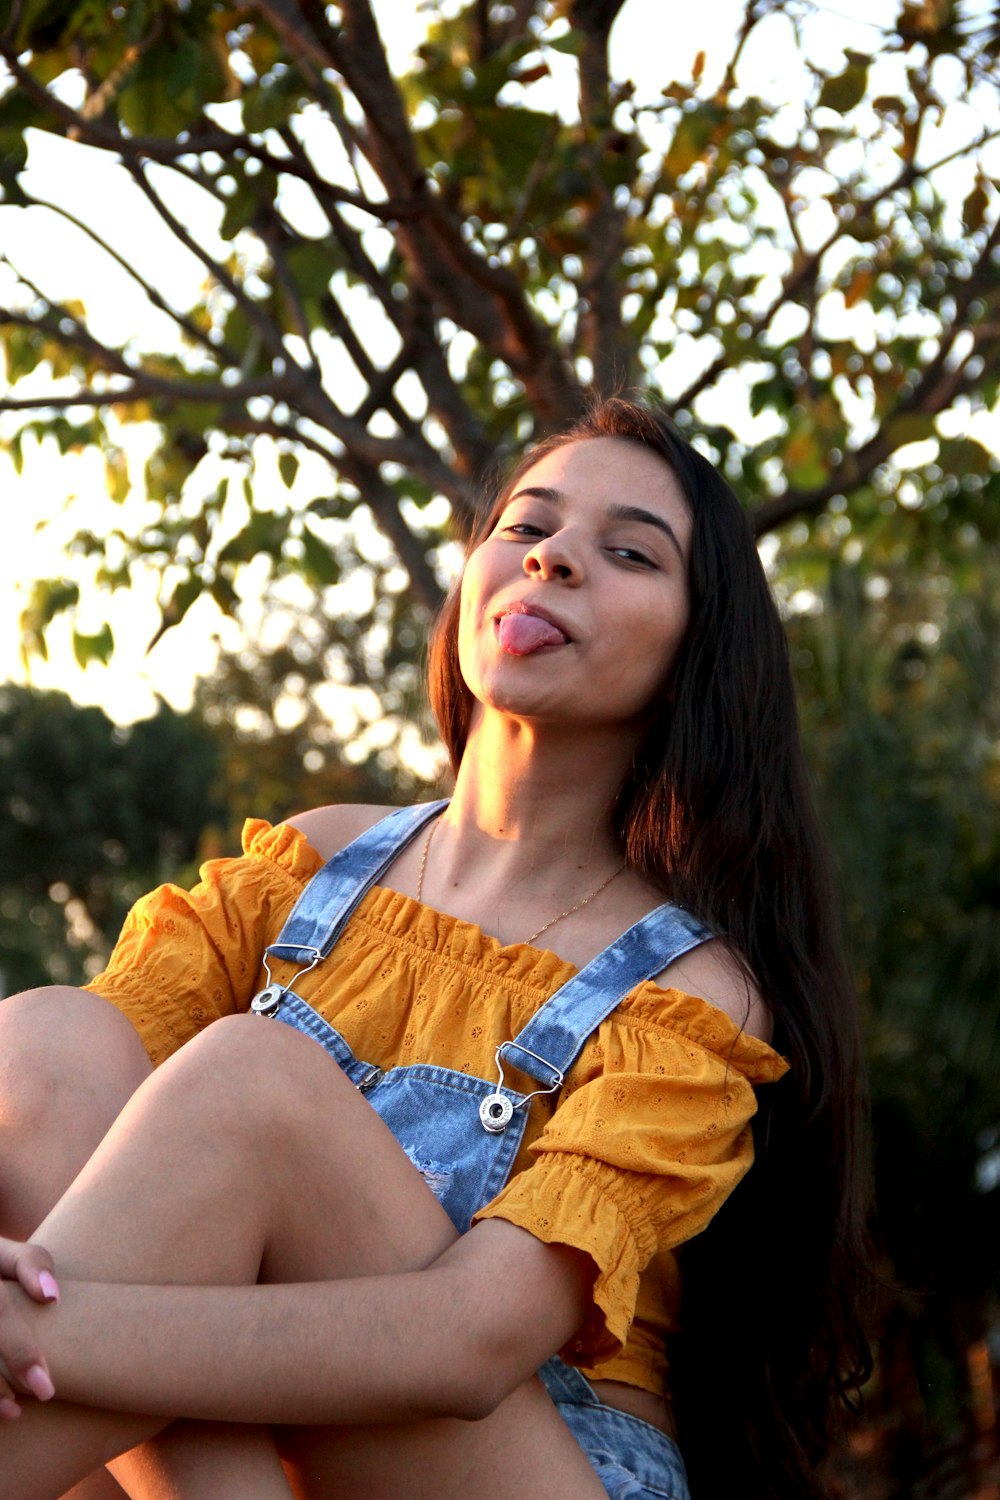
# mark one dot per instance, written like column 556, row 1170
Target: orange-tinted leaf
column 859, row 287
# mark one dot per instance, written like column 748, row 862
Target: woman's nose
column 554, row 556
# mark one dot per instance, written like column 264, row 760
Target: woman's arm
column 451, row 1340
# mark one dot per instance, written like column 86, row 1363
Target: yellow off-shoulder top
column 648, row 1136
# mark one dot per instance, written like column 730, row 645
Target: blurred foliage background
column 408, row 276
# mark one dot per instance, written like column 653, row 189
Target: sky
column 56, row 495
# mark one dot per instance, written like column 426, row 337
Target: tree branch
column 50, row 323
column 269, row 330
column 603, row 337
column 167, row 152
column 196, row 334
column 805, row 267
column 934, row 392
column 373, row 492
column 384, row 505
column 412, row 453
column 149, row 387
column 485, row 299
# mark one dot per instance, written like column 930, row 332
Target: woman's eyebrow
column 617, row 513
column 649, row 518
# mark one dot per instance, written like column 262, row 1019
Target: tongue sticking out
column 520, row 635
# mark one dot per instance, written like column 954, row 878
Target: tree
column 91, row 816
column 407, row 278
column 900, row 679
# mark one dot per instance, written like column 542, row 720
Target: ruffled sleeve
column 651, row 1134
column 185, row 958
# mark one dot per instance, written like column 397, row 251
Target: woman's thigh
column 523, row 1448
column 267, row 1164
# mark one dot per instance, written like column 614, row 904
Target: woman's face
column 573, row 607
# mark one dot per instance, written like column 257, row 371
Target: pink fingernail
column 39, row 1383
column 9, row 1408
column 49, row 1286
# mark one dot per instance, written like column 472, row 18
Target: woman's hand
column 23, row 1370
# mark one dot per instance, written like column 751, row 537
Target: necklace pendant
column 496, row 1113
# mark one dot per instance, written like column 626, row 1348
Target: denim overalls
column 463, row 1133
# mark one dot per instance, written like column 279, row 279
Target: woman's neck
column 527, row 845
column 538, row 796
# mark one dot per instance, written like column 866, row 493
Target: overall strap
column 318, row 917
column 554, row 1037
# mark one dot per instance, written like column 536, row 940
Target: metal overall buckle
column 496, row 1110
column 267, row 1001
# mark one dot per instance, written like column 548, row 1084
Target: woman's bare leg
column 99, row 1486
column 205, row 1461
column 68, row 1064
column 249, row 1155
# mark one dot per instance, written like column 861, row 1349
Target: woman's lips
column 521, row 632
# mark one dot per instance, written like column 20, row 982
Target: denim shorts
column 633, row 1460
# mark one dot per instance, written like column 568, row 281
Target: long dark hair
column 716, row 809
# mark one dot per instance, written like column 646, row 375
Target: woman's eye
column 633, row 555
column 521, row 528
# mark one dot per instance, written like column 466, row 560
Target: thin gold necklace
column 569, row 912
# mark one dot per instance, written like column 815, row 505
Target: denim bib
column 461, row 1133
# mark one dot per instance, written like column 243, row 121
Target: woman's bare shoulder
column 712, row 972
column 330, row 828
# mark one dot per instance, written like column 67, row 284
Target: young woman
column 251, row 1249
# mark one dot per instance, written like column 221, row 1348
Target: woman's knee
column 248, row 1057
column 65, row 1056
column 249, row 1078
column 68, row 1064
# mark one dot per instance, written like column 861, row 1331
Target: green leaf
column 224, row 594
column 49, row 597
column 172, row 613
column 241, row 206
column 804, row 459
column 273, row 103
column 243, row 337
column 322, row 567
column 312, row 263
column 265, row 532
column 17, row 111
column 13, row 160
column 71, row 437
column 165, row 93
column 910, row 427
column 263, row 50
column 959, row 456
column 88, row 648
column 772, row 394
column 288, row 467
column 691, row 139
column 116, row 476
column 845, row 90
column 518, row 137
column 573, row 44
